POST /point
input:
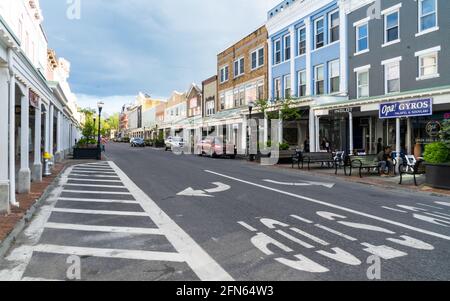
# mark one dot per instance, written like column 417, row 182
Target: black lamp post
column 99, row 142
column 251, row 105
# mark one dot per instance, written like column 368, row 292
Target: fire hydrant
column 47, row 163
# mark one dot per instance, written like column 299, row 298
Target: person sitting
column 385, row 161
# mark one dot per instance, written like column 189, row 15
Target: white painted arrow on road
column 220, row 187
column 305, row 183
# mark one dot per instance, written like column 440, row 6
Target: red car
column 215, row 147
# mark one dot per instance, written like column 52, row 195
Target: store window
column 302, row 83
column 427, row 15
column 334, row 76
column 362, row 35
column 363, row 83
column 287, row 86
column 334, row 26
column 301, row 41
column 319, row 33
column 392, row 77
column 319, row 80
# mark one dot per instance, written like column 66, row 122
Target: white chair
column 410, row 163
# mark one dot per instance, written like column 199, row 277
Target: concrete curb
column 8, row 242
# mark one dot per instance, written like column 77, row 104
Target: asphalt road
column 163, row 216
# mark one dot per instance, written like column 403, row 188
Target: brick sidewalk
column 387, row 182
column 26, row 201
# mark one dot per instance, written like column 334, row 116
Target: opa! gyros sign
column 412, row 108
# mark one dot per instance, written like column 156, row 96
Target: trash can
column 47, row 164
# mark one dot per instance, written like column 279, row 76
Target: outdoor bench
column 363, row 162
column 418, row 169
column 309, row 158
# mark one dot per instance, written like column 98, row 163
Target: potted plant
column 87, row 148
column 437, row 158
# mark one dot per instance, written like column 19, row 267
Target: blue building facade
column 307, row 54
column 305, row 50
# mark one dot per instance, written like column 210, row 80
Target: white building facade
column 36, row 115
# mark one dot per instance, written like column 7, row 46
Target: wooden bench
column 362, row 162
column 417, row 169
column 316, row 158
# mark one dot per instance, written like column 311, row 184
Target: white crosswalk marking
column 110, row 253
column 127, row 230
column 97, row 192
column 98, row 201
column 186, row 250
column 94, row 185
column 99, row 212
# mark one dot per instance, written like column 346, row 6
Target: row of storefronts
column 38, row 112
column 357, row 72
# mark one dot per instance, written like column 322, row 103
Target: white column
column 371, row 138
column 408, row 137
column 12, row 140
column 47, row 130
column 266, row 129
column 37, row 166
column 398, row 147
column 58, row 136
column 244, row 134
column 293, row 48
column 269, row 75
column 280, row 127
column 50, row 129
column 343, row 48
column 350, row 121
column 312, row 130
column 24, row 172
column 4, row 176
column 308, row 58
column 317, row 133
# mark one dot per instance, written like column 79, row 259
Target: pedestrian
column 380, row 145
column 325, row 145
column 385, row 161
column 306, row 147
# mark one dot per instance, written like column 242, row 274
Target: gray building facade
column 410, row 42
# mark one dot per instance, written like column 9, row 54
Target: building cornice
column 297, row 11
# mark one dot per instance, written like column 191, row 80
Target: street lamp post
column 99, row 142
column 251, row 105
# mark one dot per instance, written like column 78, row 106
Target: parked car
column 174, row 143
column 215, row 147
column 137, row 142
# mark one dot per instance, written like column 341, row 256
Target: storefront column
column 409, row 149
column 280, row 127
column 12, row 140
column 312, row 131
column 350, row 125
column 317, row 134
column 244, row 135
column 47, row 130
column 370, row 135
column 4, row 179
column 58, row 137
column 24, row 183
column 398, row 148
column 266, row 129
column 37, row 166
column 50, row 130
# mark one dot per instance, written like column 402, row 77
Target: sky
column 118, row 48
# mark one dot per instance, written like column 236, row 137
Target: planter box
column 438, row 175
column 85, row 153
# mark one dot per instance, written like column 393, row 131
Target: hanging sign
column 34, row 99
column 412, row 108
